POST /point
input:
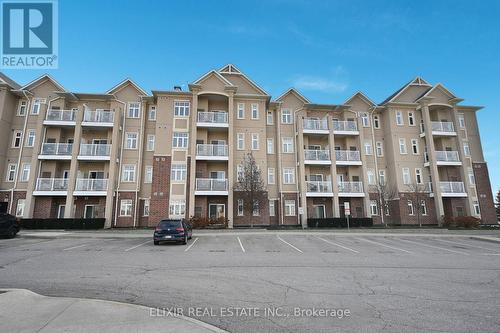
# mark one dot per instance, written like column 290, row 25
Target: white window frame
column 290, row 209
column 472, row 178
column 37, row 105
column 399, row 118
column 381, row 177
column 270, row 145
column 370, row 176
column 126, row 207
column 255, row 111
column 240, row 114
column 365, row 120
column 379, row 148
column 134, row 110
column 128, row 173
column 17, row 135
column 270, row 117
column 423, row 207
column 411, row 209
column 177, row 208
column 146, row 207
column 287, row 145
column 288, row 176
column 23, row 105
column 272, row 207
column 255, row 141
column 178, row 172
column 148, row 174
column 131, row 139
column 368, row 148
column 271, row 176
column 415, row 149
column 30, row 138
column 477, row 208
column 240, row 141
column 240, row 208
column 403, row 150
column 182, row 108
column 373, row 207
column 24, row 176
column 376, row 121
column 286, row 116
column 152, row 113
column 20, row 207
column 466, row 149
column 150, row 143
column 411, row 118
column 461, row 120
column 419, row 178
column 180, row 140
column 406, row 176
column 256, row 208
column 11, row 172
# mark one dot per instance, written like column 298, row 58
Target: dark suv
column 8, row 225
column 171, row 230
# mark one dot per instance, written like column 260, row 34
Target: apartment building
column 135, row 157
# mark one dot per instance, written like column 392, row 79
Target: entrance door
column 89, row 212
column 319, row 212
column 216, row 211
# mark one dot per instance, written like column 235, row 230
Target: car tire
column 11, row 233
column 156, row 242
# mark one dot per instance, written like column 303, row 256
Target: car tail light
column 157, row 229
column 179, row 229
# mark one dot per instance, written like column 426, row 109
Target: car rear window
column 170, row 224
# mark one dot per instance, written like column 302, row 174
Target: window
column 11, row 173
column 30, row 141
column 402, row 146
column 240, row 207
column 289, row 207
column 37, row 103
column 376, row 122
column 60, row 211
column 148, row 174
column 20, row 207
column 371, row 176
column 150, row 143
column 240, row 141
column 414, row 146
column 241, row 111
column 25, row 172
column 423, row 208
column 152, row 113
column 270, row 146
column 368, row 148
column 180, row 140
column 21, row 110
column 255, row 111
column 288, row 175
column 373, row 207
column 379, row 148
column 287, row 145
column 461, row 121
column 17, row 138
column 477, row 209
column 399, row 118
column 410, row 208
column 472, row 179
column 364, row 120
column 411, row 118
column 131, row 142
column 240, row 172
column 381, row 177
column 255, row 141
column 271, row 178
column 126, row 207
column 270, row 118
column 179, row 172
column 256, row 208
column 406, row 176
column 178, row 207
column 418, row 176
column 181, row 108
column 128, row 174
column 145, row 210
column 133, row 110
column 286, row 116
column 272, row 208
column 466, row 149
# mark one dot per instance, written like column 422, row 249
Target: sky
column 326, row 49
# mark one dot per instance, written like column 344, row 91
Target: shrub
column 205, row 223
column 468, row 222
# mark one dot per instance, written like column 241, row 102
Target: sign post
column 347, row 213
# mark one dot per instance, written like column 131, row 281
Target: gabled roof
column 296, row 93
column 214, row 73
column 440, row 87
column 231, row 69
column 362, row 96
column 418, row 81
column 8, row 81
column 40, row 80
column 124, row 83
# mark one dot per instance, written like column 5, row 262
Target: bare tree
column 386, row 193
column 416, row 193
column 250, row 187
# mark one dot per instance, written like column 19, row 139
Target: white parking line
column 136, row 246
column 384, row 245
column 190, row 246
column 490, row 254
column 75, row 247
column 342, row 246
column 241, row 245
column 434, row 247
column 284, row 241
column 452, row 242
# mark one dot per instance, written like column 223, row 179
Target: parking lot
column 387, row 282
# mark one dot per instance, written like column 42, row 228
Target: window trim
column 269, row 115
column 288, row 115
column 270, row 144
column 180, row 137
column 254, row 107
column 9, row 170
column 271, row 172
column 14, row 137
column 125, row 166
column 124, row 207
column 291, row 172
column 242, row 110
column 19, row 107
column 148, row 168
column 186, row 108
column 129, row 108
column 152, row 110
column 402, row 144
column 414, row 144
column 27, row 143
column 403, row 173
column 23, row 179
column 178, row 169
column 379, row 144
column 146, row 203
column 411, row 115
column 283, row 145
column 255, row 139
column 127, row 140
column 399, row 115
column 240, row 209
column 148, row 141
column 290, row 204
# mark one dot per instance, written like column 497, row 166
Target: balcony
column 56, row 151
column 212, row 119
column 345, row 127
column 91, row 187
column 211, row 186
column 452, row 189
column 94, row 152
column 317, row 157
column 440, row 128
column 315, row 126
column 447, row 158
column 98, row 118
column 319, row 188
column 212, row 152
column 351, row 189
column 348, row 157
column 60, row 117
column 51, row 187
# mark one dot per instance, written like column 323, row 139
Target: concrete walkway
column 24, row 311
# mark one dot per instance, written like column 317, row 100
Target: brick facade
column 98, row 202
column 429, row 219
column 48, row 207
column 248, row 219
column 160, row 189
column 484, row 193
column 125, row 221
column 291, row 220
column 327, row 202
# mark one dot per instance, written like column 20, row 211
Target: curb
column 486, row 239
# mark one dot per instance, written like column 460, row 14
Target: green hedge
column 80, row 224
column 339, row 222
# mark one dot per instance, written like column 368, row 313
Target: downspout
column 278, row 150
column 120, row 162
column 296, row 161
column 377, row 180
column 139, row 165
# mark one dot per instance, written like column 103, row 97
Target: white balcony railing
column 316, row 155
column 442, row 126
column 347, row 155
column 315, row 124
column 211, row 150
column 91, row 149
column 452, row 187
column 215, row 117
column 319, row 186
column 350, row 187
column 345, row 125
column 447, row 156
column 99, row 116
column 211, row 184
column 59, row 149
column 91, row 185
column 61, row 115
column 51, row 184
